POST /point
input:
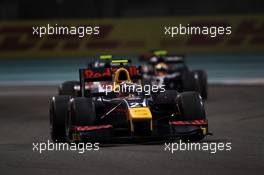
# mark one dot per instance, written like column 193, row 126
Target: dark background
column 47, row 9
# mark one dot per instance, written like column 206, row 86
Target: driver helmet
column 161, row 67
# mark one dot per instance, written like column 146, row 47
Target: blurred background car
column 172, row 71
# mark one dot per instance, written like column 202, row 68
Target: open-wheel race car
column 173, row 71
column 124, row 112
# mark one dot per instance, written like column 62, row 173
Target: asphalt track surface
column 236, row 115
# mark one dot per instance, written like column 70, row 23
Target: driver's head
column 161, row 69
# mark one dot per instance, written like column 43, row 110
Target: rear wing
column 175, row 59
column 99, row 74
column 170, row 59
column 93, row 75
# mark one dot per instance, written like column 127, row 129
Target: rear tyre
column 67, row 88
column 82, row 113
column 58, row 114
column 203, row 84
column 191, row 107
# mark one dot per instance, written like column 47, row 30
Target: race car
column 173, row 72
column 125, row 113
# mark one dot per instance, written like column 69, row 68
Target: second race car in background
column 173, row 72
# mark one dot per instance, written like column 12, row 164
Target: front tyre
column 58, row 114
column 191, row 107
column 81, row 113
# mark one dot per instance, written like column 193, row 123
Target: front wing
column 167, row 131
